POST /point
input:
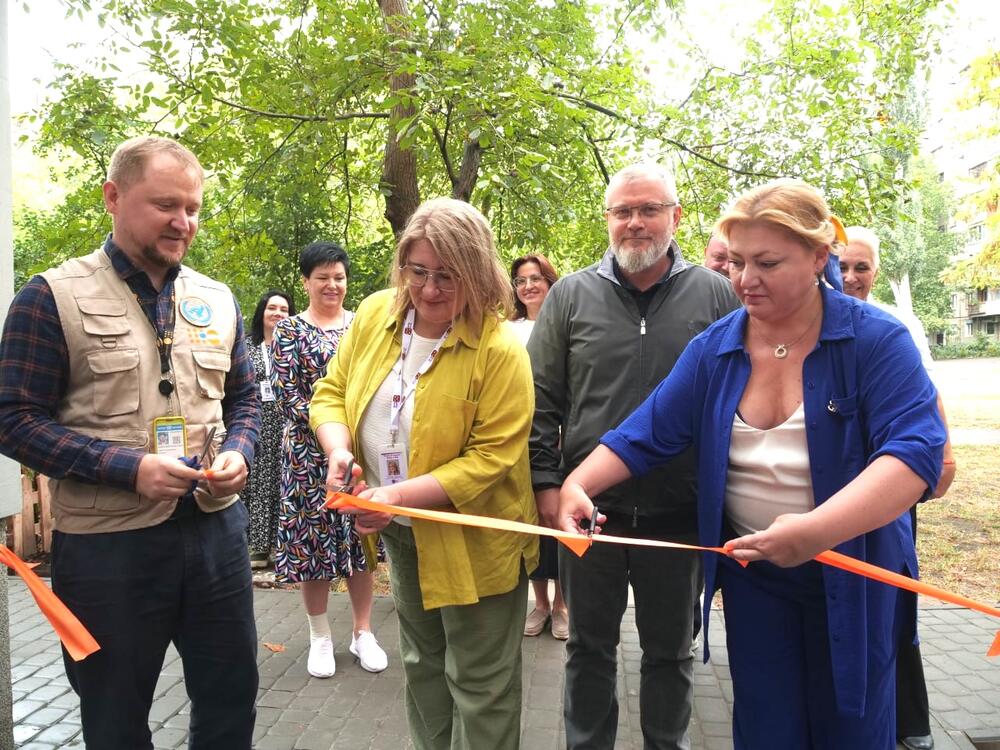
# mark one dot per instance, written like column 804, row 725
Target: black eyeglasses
column 646, row 211
column 418, row 276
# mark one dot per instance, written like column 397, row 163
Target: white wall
column 10, row 477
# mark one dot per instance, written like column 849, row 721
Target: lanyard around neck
column 401, row 391
column 266, row 355
column 164, row 339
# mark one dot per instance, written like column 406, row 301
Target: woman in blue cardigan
column 816, row 427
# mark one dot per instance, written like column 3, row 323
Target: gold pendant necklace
column 781, row 350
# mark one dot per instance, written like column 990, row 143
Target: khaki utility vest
column 114, row 374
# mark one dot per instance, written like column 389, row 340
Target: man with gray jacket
column 605, row 337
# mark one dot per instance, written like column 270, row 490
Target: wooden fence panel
column 24, row 523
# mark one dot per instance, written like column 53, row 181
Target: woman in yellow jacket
column 433, row 397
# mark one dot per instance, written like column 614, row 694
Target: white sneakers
column 322, row 663
column 370, row 655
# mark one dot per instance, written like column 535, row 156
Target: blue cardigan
column 865, row 394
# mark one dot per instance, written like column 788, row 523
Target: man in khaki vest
column 113, row 367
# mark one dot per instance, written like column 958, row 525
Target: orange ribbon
column 78, row 641
column 580, row 544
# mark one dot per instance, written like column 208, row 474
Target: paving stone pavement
column 358, row 710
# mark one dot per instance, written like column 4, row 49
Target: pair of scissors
column 195, row 461
column 348, row 478
column 593, row 524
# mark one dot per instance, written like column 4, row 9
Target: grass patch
column 958, row 536
column 974, row 411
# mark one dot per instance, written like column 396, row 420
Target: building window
column 991, row 328
column 976, row 233
column 968, row 328
column 939, row 339
column 977, row 170
column 982, row 295
column 940, row 176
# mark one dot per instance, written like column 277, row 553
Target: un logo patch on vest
column 195, row 311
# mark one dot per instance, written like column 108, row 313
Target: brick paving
column 358, row 710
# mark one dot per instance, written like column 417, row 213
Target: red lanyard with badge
column 392, row 457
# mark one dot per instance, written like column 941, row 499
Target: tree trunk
column 399, row 168
column 469, row 172
column 901, row 291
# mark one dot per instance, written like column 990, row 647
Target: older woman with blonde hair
column 815, row 427
column 434, row 398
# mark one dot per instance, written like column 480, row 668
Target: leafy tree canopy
column 333, row 119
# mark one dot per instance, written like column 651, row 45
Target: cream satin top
column 768, row 473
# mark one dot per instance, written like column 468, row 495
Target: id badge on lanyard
column 392, row 457
column 392, row 467
column 266, row 391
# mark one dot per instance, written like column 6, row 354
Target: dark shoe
column 922, row 742
column 258, row 560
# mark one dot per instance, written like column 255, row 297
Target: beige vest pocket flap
column 116, row 381
column 120, row 360
column 103, row 316
column 211, row 368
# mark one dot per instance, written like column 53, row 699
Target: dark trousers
column 779, row 658
column 913, row 717
column 665, row 584
column 186, row 580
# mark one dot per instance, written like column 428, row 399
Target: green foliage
column 522, row 107
column 980, row 347
column 916, row 243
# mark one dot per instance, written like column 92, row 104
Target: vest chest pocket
column 116, row 381
column 211, row 368
column 104, row 317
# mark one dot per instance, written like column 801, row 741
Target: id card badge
column 170, row 436
column 391, row 464
column 266, row 391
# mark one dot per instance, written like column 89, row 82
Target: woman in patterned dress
column 315, row 545
column 261, row 491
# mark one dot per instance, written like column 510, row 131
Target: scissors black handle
column 348, row 484
column 593, row 522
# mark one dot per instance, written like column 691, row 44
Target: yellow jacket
column 471, row 418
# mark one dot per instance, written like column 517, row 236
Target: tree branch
column 597, row 155
column 249, row 181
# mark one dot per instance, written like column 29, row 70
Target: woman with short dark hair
column 317, row 545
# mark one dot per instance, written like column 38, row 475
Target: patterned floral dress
column 261, row 491
column 313, row 543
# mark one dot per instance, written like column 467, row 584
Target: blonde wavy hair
column 793, row 205
column 462, row 238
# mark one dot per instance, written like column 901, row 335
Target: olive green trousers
column 462, row 664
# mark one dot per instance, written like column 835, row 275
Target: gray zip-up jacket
column 595, row 359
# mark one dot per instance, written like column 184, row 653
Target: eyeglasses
column 418, row 276
column 646, row 211
column 520, row 281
